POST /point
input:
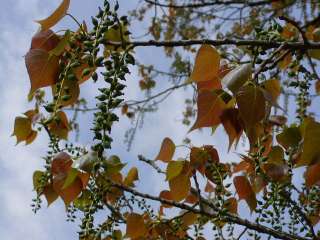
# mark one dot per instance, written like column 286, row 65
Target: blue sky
column 17, row 163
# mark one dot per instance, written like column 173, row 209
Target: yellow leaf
column 273, row 87
column 131, row 177
column 207, row 64
column 188, row 219
column 180, row 187
column 174, row 168
column 55, row 17
column 23, row 130
column 43, row 69
column 166, row 151
column 135, row 226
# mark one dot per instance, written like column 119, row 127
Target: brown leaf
column 278, row 120
column 232, row 205
column 43, row 69
column 165, row 194
column 50, row 194
column 277, row 172
column 135, row 226
column 245, row 191
column 166, row 151
column 188, row 219
column 55, row 17
column 273, row 87
column 60, row 125
column 312, row 175
column 251, row 103
column 290, row 137
column 45, row 40
column 232, row 124
column 209, row 188
column 210, row 108
column 317, row 87
column 61, row 164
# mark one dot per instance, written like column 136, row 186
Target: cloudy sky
column 17, row 163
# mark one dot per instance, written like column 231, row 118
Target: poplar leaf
column 180, row 187
column 131, row 177
column 251, row 103
column 166, row 151
column 311, row 143
column 207, row 64
column 236, row 78
column 232, row 124
column 244, row 190
column 45, row 40
column 210, row 107
column 60, row 126
column 290, row 137
column 50, row 194
column 55, row 17
column 43, row 69
column 312, row 175
column 135, row 226
column 174, row 168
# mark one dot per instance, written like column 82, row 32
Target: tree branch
column 228, row 217
column 212, row 3
column 219, row 42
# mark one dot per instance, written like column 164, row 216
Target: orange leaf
column 210, row 107
column 207, row 64
column 61, row 164
column 317, row 87
column 135, row 226
column 245, row 191
column 55, row 17
column 166, row 151
column 43, row 69
column 70, row 193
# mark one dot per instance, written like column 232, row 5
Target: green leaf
column 64, row 42
column 71, row 177
column 37, row 184
column 290, row 137
column 311, row 143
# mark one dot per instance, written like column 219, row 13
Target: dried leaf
column 180, row 187
column 46, row 40
column 312, row 175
